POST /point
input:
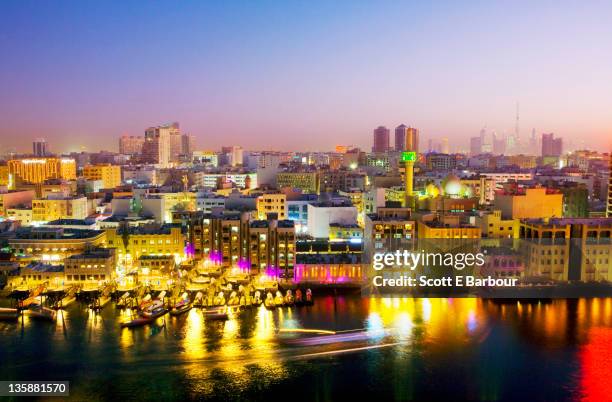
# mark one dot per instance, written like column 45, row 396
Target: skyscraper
column 551, row 146
column 187, row 145
column 381, row 139
column 400, row 137
column 412, row 139
column 406, row 138
column 40, row 147
column 475, row 146
column 157, row 146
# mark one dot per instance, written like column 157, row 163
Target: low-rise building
column 92, row 266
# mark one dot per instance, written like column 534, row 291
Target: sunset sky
column 302, row 75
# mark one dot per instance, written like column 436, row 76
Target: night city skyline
column 256, row 77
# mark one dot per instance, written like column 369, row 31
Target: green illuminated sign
column 409, row 156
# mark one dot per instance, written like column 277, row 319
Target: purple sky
column 302, row 75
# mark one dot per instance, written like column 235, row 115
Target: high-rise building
column 381, row 139
column 400, row 137
column 551, row 146
column 40, row 147
column 412, row 139
column 130, row 145
column 157, row 146
column 187, row 145
column 176, row 146
column 475, row 146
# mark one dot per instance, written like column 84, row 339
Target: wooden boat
column 299, row 298
column 216, row 313
column 42, row 313
column 183, row 306
column 155, row 313
column 123, row 300
column 269, row 302
column 9, row 314
column 198, row 300
column 289, row 300
column 308, row 301
column 136, row 322
column 279, row 300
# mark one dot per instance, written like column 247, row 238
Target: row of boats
column 151, row 309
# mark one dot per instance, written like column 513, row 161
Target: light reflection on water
column 406, row 348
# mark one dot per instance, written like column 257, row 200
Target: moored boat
column 155, row 312
column 216, row 313
column 182, row 306
column 136, row 322
column 269, row 302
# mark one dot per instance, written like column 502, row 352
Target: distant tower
column 516, row 127
column 40, row 147
column 381, row 139
column 400, row 137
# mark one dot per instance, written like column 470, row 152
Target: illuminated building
column 502, row 262
column 38, row 273
column 14, row 199
column 155, row 269
column 341, row 180
column 133, row 242
column 37, row 170
column 341, row 232
column 499, row 178
column 180, row 201
column 493, row 226
column 157, row 147
column 207, row 202
column 387, row 230
column 447, row 227
column 109, row 174
column 271, row 244
column 230, row 240
column 272, row 204
column 518, row 203
column 54, row 244
column 307, row 182
column 568, row 248
column 381, row 140
column 206, row 158
column 322, row 214
column 23, row 215
column 297, row 211
column 6, row 180
column 131, row 145
column 52, row 208
column 93, row 265
column 246, row 180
